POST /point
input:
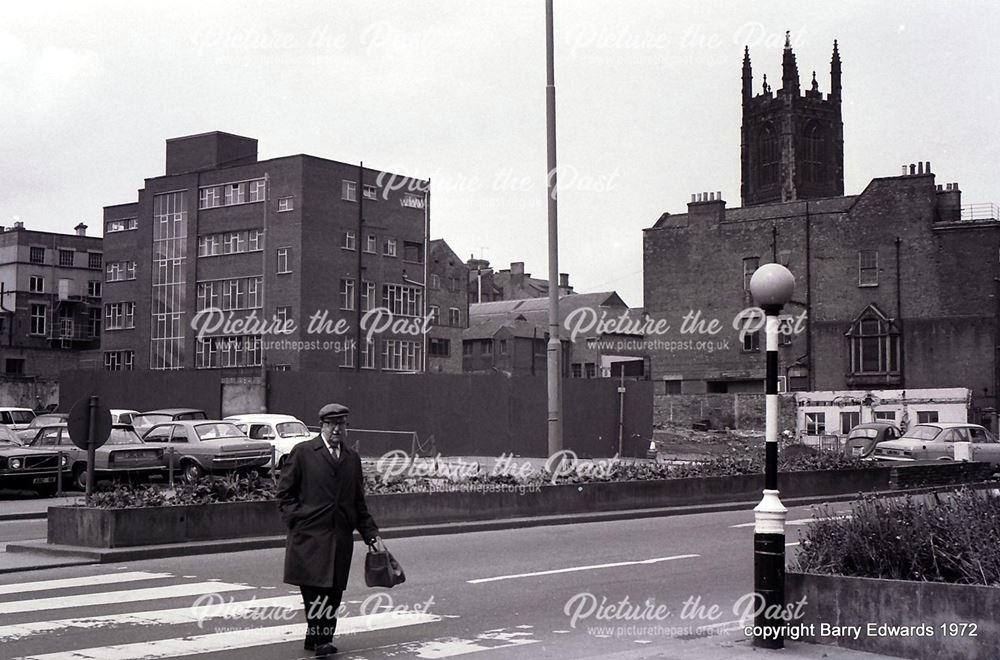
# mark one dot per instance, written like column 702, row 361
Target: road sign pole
column 91, row 445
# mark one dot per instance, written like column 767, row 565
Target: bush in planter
column 209, row 490
column 953, row 539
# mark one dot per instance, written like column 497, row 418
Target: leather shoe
column 326, row 648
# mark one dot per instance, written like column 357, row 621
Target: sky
column 647, row 93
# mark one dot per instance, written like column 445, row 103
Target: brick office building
column 449, row 308
column 284, row 239
column 899, row 282
column 51, row 303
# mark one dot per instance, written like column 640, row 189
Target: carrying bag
column 381, row 568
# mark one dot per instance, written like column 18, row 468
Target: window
column 403, row 300
column 94, row 317
column 94, row 288
column 413, row 252
column 258, row 191
column 286, row 204
column 815, row 423
column 368, row 301
column 350, row 241
column 13, row 366
column 348, row 191
column 169, row 284
column 283, row 261
column 868, row 268
column 38, row 314
column 751, row 342
column 119, row 316
column 399, row 355
column 785, row 327
column 768, row 157
column 389, row 247
column 848, row 420
column 590, row 370
column 927, row 416
column 347, row 352
column 577, row 370
column 95, row 260
column 467, row 347
column 119, row 271
column 235, row 193
column 210, row 245
column 368, row 354
column 874, row 344
column 885, row 416
column 750, row 264
column 228, row 351
column 439, row 347
column 66, row 257
column 36, row 284
column 36, row 255
column 370, row 192
column 255, row 240
column 435, row 282
column 370, row 243
column 411, row 201
column 814, row 152
column 454, row 317
column 119, row 360
column 210, row 197
column 503, row 347
column 283, row 314
column 234, row 242
column 435, row 315
column 125, row 224
column 347, row 294
column 487, row 347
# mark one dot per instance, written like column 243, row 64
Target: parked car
column 123, row 455
column 28, row 467
column 282, row 431
column 862, row 438
column 937, row 441
column 44, row 419
column 145, row 421
column 122, row 416
column 209, row 446
column 16, row 418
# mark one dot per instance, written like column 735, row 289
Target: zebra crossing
column 75, row 618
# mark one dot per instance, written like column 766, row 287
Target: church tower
column 792, row 144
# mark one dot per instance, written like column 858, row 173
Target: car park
column 938, row 442
column 146, row 420
column 123, row 456
column 28, row 468
column 202, row 447
column 16, row 418
column 282, row 431
column 862, row 439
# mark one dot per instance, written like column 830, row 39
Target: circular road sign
column 79, row 423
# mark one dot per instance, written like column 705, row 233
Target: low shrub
column 953, row 538
column 233, row 488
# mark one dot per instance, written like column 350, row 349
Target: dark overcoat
column 322, row 502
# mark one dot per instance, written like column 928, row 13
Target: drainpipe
column 360, row 192
column 809, row 310
column 899, row 315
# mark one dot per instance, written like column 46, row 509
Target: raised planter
column 900, row 618
column 117, row 528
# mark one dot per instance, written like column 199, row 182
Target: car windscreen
column 863, row 433
column 45, row 420
column 291, row 429
column 217, row 430
column 145, row 421
column 21, row 416
column 921, row 432
column 123, row 437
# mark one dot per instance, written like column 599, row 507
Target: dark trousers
column 321, row 605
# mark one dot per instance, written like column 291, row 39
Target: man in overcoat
column 322, row 501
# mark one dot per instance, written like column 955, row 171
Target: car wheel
column 80, row 477
column 192, row 472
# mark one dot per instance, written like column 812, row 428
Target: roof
column 537, row 309
column 518, row 327
column 769, row 211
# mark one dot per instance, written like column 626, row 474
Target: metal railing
column 981, row 211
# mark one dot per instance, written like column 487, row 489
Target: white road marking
column 239, row 639
column 152, row 593
column 797, row 521
column 789, row 545
column 151, row 618
column 447, row 647
column 581, row 568
column 110, row 578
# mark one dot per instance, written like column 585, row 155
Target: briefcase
column 381, row 568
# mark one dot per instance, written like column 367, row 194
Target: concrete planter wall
column 926, row 606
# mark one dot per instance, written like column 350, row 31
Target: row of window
column 124, row 224
column 119, row 316
column 397, row 354
column 454, row 283
column 349, row 193
column 119, row 360
column 412, row 251
column 483, row 347
column 815, row 422
column 231, row 194
column 66, row 257
column 399, row 299
column 228, row 351
column 231, row 294
column 585, row 370
column 454, row 316
column 867, row 269
column 119, row 271
column 36, row 284
column 38, row 321
column 231, row 242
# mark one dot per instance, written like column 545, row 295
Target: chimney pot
column 564, row 280
column 939, row 188
column 81, row 229
column 928, row 166
column 693, row 198
column 718, row 195
column 904, row 170
column 913, row 168
column 920, row 167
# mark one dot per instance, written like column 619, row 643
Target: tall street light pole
column 771, row 287
column 554, row 350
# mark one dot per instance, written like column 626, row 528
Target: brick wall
column 737, row 411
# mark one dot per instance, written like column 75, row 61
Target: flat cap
column 332, row 411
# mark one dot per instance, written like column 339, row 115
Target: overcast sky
column 648, row 96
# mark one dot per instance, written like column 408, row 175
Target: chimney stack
column 81, row 229
column 949, row 203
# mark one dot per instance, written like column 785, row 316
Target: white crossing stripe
column 85, row 581
column 573, row 569
column 447, row 647
column 239, row 639
column 152, row 593
column 180, row 615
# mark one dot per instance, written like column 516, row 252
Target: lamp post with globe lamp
column 771, row 287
